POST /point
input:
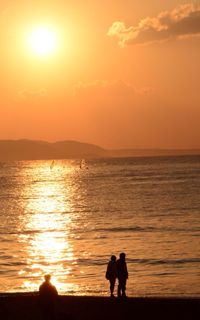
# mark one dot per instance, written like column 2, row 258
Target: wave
column 30, row 232
column 131, row 229
column 147, row 229
column 152, row 262
column 164, row 261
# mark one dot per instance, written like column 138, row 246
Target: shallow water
column 58, row 218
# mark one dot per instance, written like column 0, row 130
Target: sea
column 67, row 217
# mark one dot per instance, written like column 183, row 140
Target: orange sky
column 124, row 74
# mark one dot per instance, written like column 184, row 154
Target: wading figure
column 122, row 274
column 111, row 274
column 48, row 296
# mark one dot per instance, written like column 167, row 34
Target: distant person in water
column 111, row 274
column 122, row 274
column 48, row 296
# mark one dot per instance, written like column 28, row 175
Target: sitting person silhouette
column 122, row 274
column 48, row 296
column 111, row 274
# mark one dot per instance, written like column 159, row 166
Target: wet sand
column 26, row 307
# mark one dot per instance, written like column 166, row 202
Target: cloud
column 29, row 94
column 109, row 89
column 183, row 21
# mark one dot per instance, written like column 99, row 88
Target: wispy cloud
column 180, row 22
column 104, row 88
column 28, row 94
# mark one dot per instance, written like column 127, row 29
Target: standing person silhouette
column 111, row 274
column 122, row 274
column 48, row 296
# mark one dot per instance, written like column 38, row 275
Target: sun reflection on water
column 47, row 237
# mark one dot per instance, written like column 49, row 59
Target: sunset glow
column 48, row 216
column 129, row 80
column 99, row 158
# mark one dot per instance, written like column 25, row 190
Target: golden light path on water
column 47, row 228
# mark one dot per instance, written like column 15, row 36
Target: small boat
column 52, row 164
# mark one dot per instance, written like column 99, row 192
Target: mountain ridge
column 25, row 149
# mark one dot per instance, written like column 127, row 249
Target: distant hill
column 38, row 150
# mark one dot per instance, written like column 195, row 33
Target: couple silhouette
column 117, row 269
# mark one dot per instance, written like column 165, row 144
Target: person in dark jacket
column 48, row 296
column 122, row 274
column 111, row 274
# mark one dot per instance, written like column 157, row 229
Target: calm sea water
column 58, row 218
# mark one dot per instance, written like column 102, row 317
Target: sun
column 42, row 41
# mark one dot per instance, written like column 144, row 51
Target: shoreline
column 36, row 294
column 25, row 306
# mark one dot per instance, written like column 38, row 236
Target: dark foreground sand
column 26, row 306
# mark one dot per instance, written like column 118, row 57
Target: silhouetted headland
column 42, row 150
column 26, row 307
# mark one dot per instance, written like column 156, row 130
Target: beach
column 25, row 306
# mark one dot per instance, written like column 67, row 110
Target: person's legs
column 112, row 286
column 119, row 288
column 124, row 288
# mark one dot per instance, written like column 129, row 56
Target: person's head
column 113, row 258
column 122, row 256
column 47, row 277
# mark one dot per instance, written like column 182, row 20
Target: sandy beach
column 26, row 307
